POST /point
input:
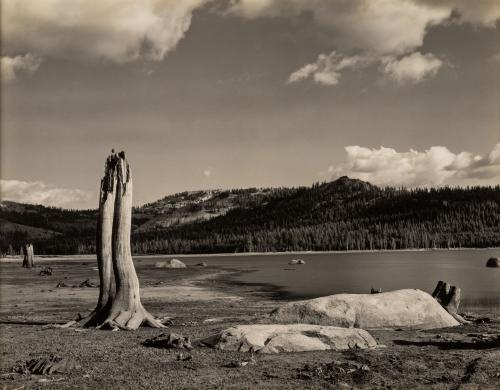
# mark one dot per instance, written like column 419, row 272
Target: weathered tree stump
column 119, row 305
column 28, row 255
column 449, row 297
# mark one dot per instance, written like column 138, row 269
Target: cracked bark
column 119, row 305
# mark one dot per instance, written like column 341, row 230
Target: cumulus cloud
column 469, row 166
column 12, row 67
column 434, row 166
column 38, row 192
column 412, row 68
column 380, row 30
column 483, row 12
column 125, row 30
column 116, row 30
column 326, row 70
column 376, row 26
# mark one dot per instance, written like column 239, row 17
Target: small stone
column 169, row 340
column 184, row 357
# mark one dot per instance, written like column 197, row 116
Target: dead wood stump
column 449, row 297
column 28, row 255
column 119, row 305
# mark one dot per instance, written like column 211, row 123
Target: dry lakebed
column 197, row 302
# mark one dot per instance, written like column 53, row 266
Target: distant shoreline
column 196, row 255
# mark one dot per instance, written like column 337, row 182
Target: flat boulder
column 170, row 263
column 274, row 338
column 394, row 309
column 493, row 262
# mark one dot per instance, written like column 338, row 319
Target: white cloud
column 12, row 67
column 126, row 30
column 37, row 192
column 375, row 26
column 468, row 166
column 380, row 30
column 435, row 166
column 116, row 30
column 412, row 68
column 481, row 12
column 207, row 172
column 326, row 70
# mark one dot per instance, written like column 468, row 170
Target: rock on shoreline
column 171, row 263
column 395, row 309
column 275, row 338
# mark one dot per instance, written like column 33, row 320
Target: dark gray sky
column 219, row 107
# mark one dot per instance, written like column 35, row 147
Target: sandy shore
column 10, row 259
column 202, row 301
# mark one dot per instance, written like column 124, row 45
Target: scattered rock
column 189, row 323
column 46, row 366
column 450, row 341
column 171, row 263
column 296, row 261
column 394, row 309
column 61, row 284
column 167, row 321
column 289, row 338
column 471, row 317
column 375, row 290
column 47, row 271
column 216, row 319
column 493, row 262
column 88, row 283
column 241, row 363
column 184, row 357
column 202, row 264
column 169, row 340
column 336, row 372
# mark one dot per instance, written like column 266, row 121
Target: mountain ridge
column 341, row 214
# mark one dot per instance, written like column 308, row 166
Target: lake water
column 331, row 273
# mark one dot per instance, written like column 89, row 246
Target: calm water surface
column 331, row 273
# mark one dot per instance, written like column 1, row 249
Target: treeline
column 342, row 215
column 321, row 219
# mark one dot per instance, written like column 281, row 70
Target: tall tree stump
column 27, row 255
column 119, row 305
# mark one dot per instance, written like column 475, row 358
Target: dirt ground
column 201, row 302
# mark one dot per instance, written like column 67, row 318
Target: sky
column 208, row 94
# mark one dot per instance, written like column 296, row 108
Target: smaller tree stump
column 449, row 297
column 28, row 255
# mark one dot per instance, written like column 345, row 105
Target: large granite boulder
column 493, row 262
column 395, row 309
column 274, row 338
column 170, row 263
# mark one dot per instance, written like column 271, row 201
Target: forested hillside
column 345, row 214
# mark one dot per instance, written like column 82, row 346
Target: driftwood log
column 119, row 305
column 449, row 297
column 28, row 255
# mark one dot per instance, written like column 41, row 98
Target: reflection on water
column 331, row 273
